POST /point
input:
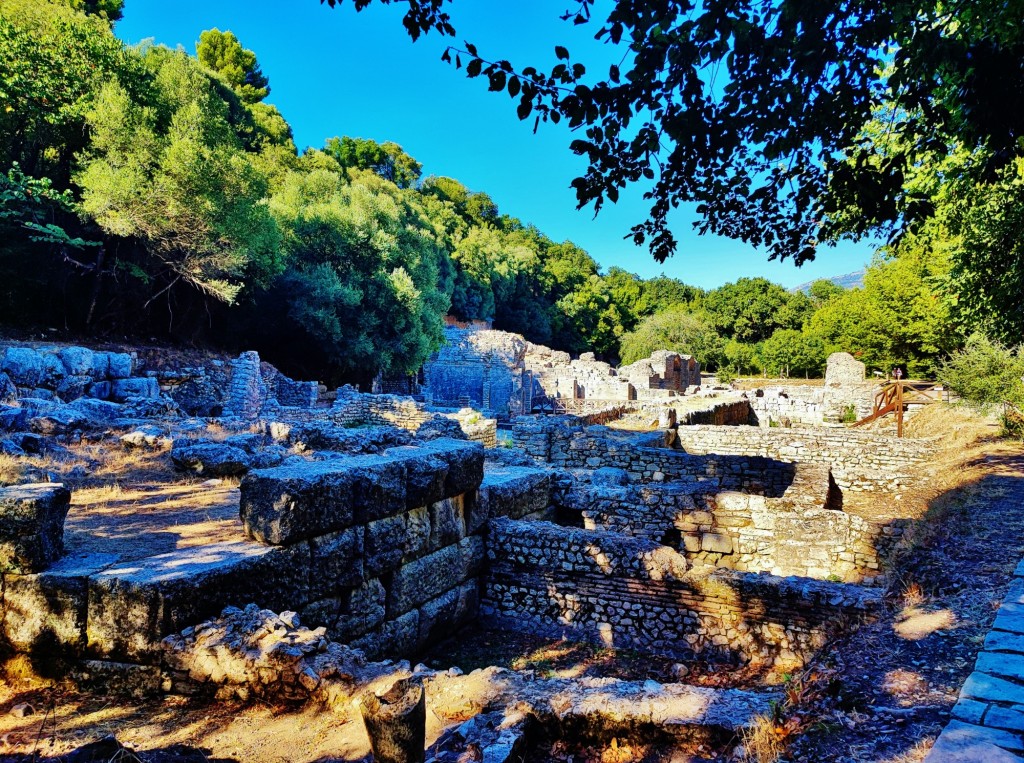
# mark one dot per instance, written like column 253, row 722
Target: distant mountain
column 848, row 281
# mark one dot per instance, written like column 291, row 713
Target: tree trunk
column 396, row 723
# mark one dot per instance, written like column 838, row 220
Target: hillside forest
column 147, row 192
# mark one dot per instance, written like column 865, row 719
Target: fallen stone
column 147, row 437
column 211, row 459
column 139, row 386
column 22, row 710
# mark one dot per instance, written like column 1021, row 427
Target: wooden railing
column 897, row 396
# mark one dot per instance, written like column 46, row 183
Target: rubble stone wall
column 631, row 593
column 409, row 414
column 860, row 461
column 810, row 406
column 734, row 457
column 799, row 533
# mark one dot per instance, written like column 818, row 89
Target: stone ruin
column 385, row 527
column 505, row 376
column 845, row 389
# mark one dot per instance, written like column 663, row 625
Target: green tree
column 53, row 60
column 985, row 373
column 751, row 309
column 223, row 54
column 386, row 159
column 793, row 352
column 360, row 288
column 185, row 188
column 677, row 330
column 764, row 155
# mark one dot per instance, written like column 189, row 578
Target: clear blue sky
column 336, row 72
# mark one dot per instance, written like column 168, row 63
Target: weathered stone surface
column 992, row 689
column 510, row 491
column 465, row 464
column 963, row 742
column 133, row 605
column 211, row 459
column 139, row 386
column 73, row 387
column 23, row 365
column 119, row 365
column 8, row 390
column 425, row 579
column 147, row 436
column 32, row 526
column 79, row 361
column 338, row 562
column 45, row 613
column 289, row 503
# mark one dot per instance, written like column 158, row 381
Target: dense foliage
column 147, row 191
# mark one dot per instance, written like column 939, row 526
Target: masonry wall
column 861, row 461
column 799, row 533
column 383, row 551
column 631, row 593
column 409, row 414
column 731, row 457
column 562, row 442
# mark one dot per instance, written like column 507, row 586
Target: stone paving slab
column 988, row 719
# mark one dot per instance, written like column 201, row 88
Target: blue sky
column 336, row 72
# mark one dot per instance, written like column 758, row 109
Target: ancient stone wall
column 383, row 551
column 631, row 593
column 481, row 368
column 352, row 408
column 860, row 461
column 799, row 533
column 562, row 442
column 729, row 457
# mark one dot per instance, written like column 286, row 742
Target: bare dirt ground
column 881, row 694
column 885, row 692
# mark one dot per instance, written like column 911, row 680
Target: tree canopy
column 758, row 110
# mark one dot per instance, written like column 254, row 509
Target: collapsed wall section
column 352, row 408
column 632, row 593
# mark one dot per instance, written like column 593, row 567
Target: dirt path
column 888, row 689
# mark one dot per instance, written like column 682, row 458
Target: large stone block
column 425, row 579
column 465, row 464
column 338, row 561
column 119, row 365
column 133, row 605
column 32, row 526
column 24, row 365
column 78, row 361
column 46, row 612
column 139, row 386
column 211, row 459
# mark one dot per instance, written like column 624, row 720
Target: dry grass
column 762, row 741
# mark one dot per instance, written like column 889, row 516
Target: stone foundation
column 353, row 408
column 631, row 593
column 728, row 457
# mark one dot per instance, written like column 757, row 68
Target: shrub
column 985, row 373
column 726, row 375
column 849, row 414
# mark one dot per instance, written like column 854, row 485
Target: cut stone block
column 47, row 611
column 139, row 386
column 32, row 526
column 133, row 605
column 963, row 742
